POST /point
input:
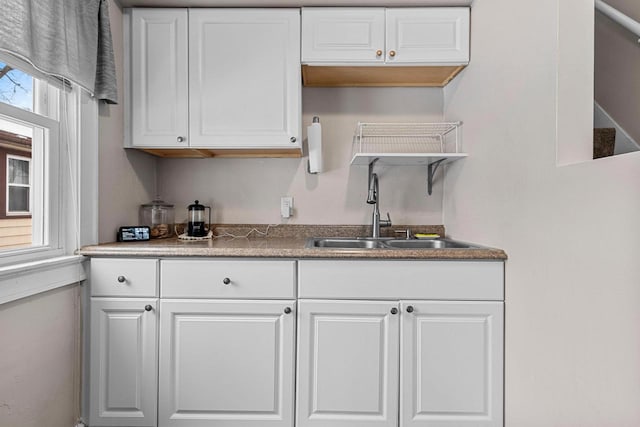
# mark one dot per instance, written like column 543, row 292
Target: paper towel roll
column 314, row 139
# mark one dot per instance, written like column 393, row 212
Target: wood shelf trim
column 202, row 153
column 401, row 76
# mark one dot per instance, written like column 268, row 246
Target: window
column 30, row 135
column 18, row 185
column 50, row 179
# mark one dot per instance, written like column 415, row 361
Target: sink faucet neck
column 373, row 199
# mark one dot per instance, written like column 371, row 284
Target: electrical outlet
column 286, row 206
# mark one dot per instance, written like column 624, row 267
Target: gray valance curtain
column 65, row 38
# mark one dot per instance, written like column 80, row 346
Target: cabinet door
column 158, row 78
column 428, row 35
column 123, row 362
column 347, row 364
column 245, row 84
column 226, row 363
column 342, row 34
column 451, row 364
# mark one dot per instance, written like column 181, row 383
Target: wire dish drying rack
column 407, row 144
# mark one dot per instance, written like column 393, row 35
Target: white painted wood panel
column 343, row 34
column 433, row 35
column 206, row 278
column 226, row 363
column 123, row 362
column 118, row 277
column 451, row 364
column 244, row 78
column 375, row 279
column 159, row 78
column 347, row 364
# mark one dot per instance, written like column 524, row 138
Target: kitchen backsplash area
column 248, row 190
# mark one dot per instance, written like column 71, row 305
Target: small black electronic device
column 134, row 233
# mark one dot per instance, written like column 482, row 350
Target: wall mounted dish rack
column 407, row 144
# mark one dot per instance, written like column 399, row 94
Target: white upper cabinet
column 217, row 79
column 244, row 75
column 158, row 85
column 435, row 35
column 343, row 34
column 392, row 36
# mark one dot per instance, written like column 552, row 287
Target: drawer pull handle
column 148, row 307
column 121, row 279
column 287, row 310
column 409, row 309
column 226, row 280
column 394, row 310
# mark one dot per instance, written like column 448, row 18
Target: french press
column 196, row 226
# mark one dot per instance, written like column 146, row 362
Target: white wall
column 571, row 232
column 249, row 190
column 127, row 177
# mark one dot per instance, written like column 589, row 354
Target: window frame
column 49, row 166
column 74, row 176
column 29, row 186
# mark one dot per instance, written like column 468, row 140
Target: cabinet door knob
column 392, row 53
column 148, row 307
column 180, row 139
column 287, row 310
column 121, row 279
column 226, row 280
column 378, row 52
column 394, row 310
column 409, row 309
column 293, row 139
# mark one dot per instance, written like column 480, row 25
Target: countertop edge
column 298, row 253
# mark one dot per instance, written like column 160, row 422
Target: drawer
column 446, row 280
column 117, row 277
column 227, row 278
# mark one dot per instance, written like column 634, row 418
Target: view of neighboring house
column 15, row 190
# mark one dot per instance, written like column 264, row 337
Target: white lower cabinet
column 375, row 333
column 379, row 343
column 226, row 363
column 123, row 346
column 347, row 363
column 451, row 357
column 123, row 364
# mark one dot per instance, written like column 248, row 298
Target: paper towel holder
column 314, row 143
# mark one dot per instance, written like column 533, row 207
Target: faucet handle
column 386, row 222
column 407, row 233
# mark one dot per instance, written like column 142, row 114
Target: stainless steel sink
column 427, row 244
column 385, row 243
column 344, row 243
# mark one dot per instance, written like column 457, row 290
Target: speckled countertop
column 284, row 241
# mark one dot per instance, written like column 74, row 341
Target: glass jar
column 159, row 216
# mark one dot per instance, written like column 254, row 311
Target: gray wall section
column 617, row 63
column 40, row 360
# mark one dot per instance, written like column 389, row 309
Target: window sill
column 31, row 278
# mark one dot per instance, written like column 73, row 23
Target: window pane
column 16, row 87
column 18, row 199
column 18, row 171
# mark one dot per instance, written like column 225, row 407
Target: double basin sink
column 385, row 243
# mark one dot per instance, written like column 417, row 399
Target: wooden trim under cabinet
column 201, row 153
column 411, row 76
